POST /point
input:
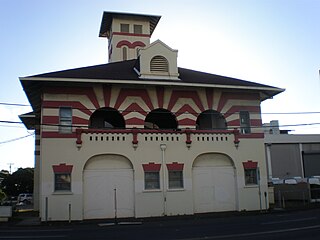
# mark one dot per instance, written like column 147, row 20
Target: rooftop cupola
column 126, row 33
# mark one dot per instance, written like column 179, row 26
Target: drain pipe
column 163, row 148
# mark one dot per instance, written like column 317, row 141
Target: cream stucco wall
column 147, row 203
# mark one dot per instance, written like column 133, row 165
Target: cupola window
column 124, row 54
column 137, row 29
column 159, row 64
column 124, row 28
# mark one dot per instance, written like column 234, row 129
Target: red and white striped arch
column 135, row 104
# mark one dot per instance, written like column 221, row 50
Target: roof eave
column 29, row 120
column 108, row 16
column 268, row 91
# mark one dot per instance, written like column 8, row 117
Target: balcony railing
column 159, row 135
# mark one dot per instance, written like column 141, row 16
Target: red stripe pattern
column 136, row 103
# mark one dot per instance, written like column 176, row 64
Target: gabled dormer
column 126, row 33
column 158, row 61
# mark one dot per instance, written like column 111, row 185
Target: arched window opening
column 211, row 120
column 106, row 118
column 159, row 64
column 124, row 53
column 160, row 119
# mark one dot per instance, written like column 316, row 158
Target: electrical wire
column 15, row 104
column 16, row 139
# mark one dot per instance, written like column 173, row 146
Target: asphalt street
column 281, row 225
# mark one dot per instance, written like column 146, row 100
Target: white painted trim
column 269, row 165
column 146, row 82
column 301, row 160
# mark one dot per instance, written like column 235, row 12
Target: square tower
column 126, row 33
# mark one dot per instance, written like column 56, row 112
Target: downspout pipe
column 163, row 148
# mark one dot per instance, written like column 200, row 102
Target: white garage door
column 214, row 186
column 108, row 190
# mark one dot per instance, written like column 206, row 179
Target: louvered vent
column 159, row 64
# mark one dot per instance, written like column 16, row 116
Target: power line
column 7, row 121
column 15, row 104
column 16, row 139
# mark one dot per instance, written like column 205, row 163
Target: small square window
column 137, row 29
column 65, row 120
column 124, row 28
column 175, row 179
column 151, row 180
column 251, row 176
column 62, row 181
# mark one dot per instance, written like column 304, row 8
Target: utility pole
column 10, row 164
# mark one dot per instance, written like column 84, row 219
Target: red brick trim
column 62, row 168
column 175, row 166
column 151, row 167
column 58, row 135
column 252, row 135
column 129, row 44
column 176, row 94
column 250, row 164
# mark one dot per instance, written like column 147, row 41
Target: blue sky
column 273, row 42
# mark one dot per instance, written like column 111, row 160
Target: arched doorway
column 108, row 187
column 214, row 183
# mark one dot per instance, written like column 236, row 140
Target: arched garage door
column 108, row 187
column 214, row 185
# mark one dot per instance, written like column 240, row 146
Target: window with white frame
column 175, row 179
column 62, row 177
column 62, row 181
column 251, row 176
column 251, row 172
column 65, row 120
column 151, row 180
column 245, row 122
column 175, row 175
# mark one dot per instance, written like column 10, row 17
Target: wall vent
column 159, row 64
